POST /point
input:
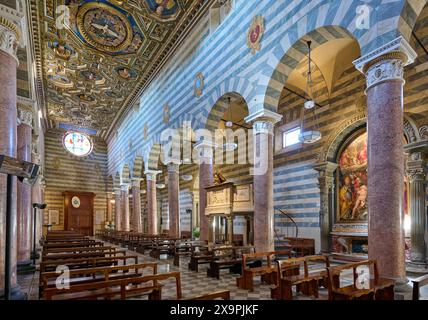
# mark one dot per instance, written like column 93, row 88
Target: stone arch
column 126, row 175
column 116, row 181
column 358, row 121
column 408, row 17
column 336, row 138
column 290, row 58
column 410, row 129
column 109, row 184
column 154, row 157
column 219, row 107
column 236, row 86
column 138, row 167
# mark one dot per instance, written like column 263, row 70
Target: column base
column 34, row 255
column 25, row 267
column 15, row 294
column 403, row 289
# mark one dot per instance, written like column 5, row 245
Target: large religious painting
column 352, row 181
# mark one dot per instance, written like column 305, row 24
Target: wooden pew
column 302, row 246
column 162, row 246
column 228, row 258
column 89, row 275
column 417, row 284
column 78, row 263
column 116, row 288
column 95, row 253
column 200, row 254
column 306, row 282
column 47, row 252
column 52, row 245
column 375, row 288
column 267, row 272
column 224, row 295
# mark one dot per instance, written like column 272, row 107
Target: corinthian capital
column 386, row 62
column 10, row 30
column 25, row 117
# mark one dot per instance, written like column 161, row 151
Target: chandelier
column 314, row 135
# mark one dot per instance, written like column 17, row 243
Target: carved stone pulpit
column 224, row 202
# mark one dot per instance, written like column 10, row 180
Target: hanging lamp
column 229, row 146
column 309, row 136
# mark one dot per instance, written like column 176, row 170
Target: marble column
column 263, row 124
column 118, row 209
column 24, row 213
column 137, row 225
column 417, row 174
column 385, row 79
column 152, row 214
column 9, row 35
column 230, row 229
column 125, row 206
column 109, row 207
column 174, row 199
column 326, row 184
column 206, row 179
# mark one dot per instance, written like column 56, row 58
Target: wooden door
column 79, row 212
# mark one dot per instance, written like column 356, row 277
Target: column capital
column 386, row 62
column 205, row 150
column 325, row 167
column 117, row 192
column 25, row 117
column 173, row 167
column 135, row 182
column 10, row 31
column 416, row 171
column 124, row 187
column 151, row 174
column 263, row 121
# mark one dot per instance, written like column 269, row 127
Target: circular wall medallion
column 75, row 202
column 104, row 27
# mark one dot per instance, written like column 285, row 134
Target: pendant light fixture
column 229, row 146
column 309, row 136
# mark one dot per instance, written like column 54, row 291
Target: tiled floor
column 196, row 283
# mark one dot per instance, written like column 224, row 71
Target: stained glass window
column 77, row 144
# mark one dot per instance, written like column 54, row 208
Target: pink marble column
column 206, row 179
column 109, row 207
column 118, row 209
column 24, row 214
column 152, row 214
column 174, row 200
column 386, row 156
column 137, row 225
column 263, row 123
column 8, row 141
column 125, row 207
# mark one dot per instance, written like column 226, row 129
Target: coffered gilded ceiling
column 95, row 63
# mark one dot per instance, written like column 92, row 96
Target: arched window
column 77, row 144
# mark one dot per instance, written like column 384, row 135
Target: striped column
column 125, row 206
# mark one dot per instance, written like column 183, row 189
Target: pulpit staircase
column 290, row 230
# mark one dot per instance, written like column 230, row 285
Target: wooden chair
column 367, row 287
